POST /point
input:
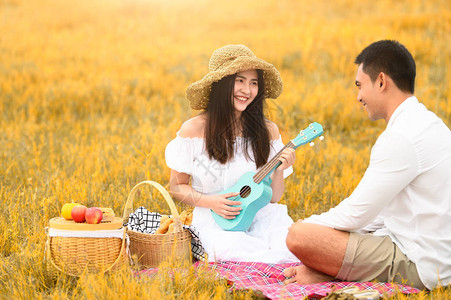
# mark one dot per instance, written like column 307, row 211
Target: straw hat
column 229, row 60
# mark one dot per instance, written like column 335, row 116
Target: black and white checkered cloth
column 148, row 222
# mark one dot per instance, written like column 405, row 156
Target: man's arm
column 376, row 224
column 393, row 165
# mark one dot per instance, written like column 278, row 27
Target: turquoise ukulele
column 255, row 188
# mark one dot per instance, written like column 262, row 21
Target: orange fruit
column 67, row 209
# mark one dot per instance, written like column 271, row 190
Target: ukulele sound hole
column 245, row 191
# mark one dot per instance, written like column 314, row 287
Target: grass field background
column 92, row 91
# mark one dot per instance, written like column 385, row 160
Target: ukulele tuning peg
column 321, row 138
column 312, row 144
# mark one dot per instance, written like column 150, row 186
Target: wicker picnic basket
column 152, row 249
column 75, row 255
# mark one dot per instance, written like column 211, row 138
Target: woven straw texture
column 152, row 249
column 73, row 256
column 228, row 60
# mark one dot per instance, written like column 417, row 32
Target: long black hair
column 221, row 123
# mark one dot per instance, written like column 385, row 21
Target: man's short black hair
column 392, row 58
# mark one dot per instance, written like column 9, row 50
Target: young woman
column 229, row 138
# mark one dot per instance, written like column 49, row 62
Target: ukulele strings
column 260, row 175
column 270, row 165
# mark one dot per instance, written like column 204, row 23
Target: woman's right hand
column 222, row 206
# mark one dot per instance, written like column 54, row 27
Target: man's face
column 369, row 95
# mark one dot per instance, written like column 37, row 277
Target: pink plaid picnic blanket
column 268, row 279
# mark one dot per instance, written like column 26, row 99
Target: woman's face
column 245, row 90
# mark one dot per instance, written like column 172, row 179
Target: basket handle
column 50, row 259
column 119, row 257
column 129, row 204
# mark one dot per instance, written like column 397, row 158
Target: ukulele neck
column 271, row 165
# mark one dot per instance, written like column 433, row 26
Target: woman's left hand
column 287, row 159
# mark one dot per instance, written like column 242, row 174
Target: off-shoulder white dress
column 265, row 239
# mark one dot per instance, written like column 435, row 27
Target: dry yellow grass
column 92, row 91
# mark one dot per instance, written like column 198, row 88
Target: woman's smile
column 241, row 98
column 245, row 89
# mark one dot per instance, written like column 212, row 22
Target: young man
column 396, row 225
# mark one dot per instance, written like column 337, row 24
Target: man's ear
column 382, row 79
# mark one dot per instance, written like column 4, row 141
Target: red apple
column 94, row 215
column 78, row 213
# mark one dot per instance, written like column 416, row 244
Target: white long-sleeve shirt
column 406, row 192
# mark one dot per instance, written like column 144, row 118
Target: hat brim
column 198, row 92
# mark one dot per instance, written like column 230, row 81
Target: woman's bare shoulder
column 273, row 130
column 193, row 128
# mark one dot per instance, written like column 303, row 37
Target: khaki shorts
column 370, row 257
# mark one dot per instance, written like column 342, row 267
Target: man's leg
column 321, row 249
